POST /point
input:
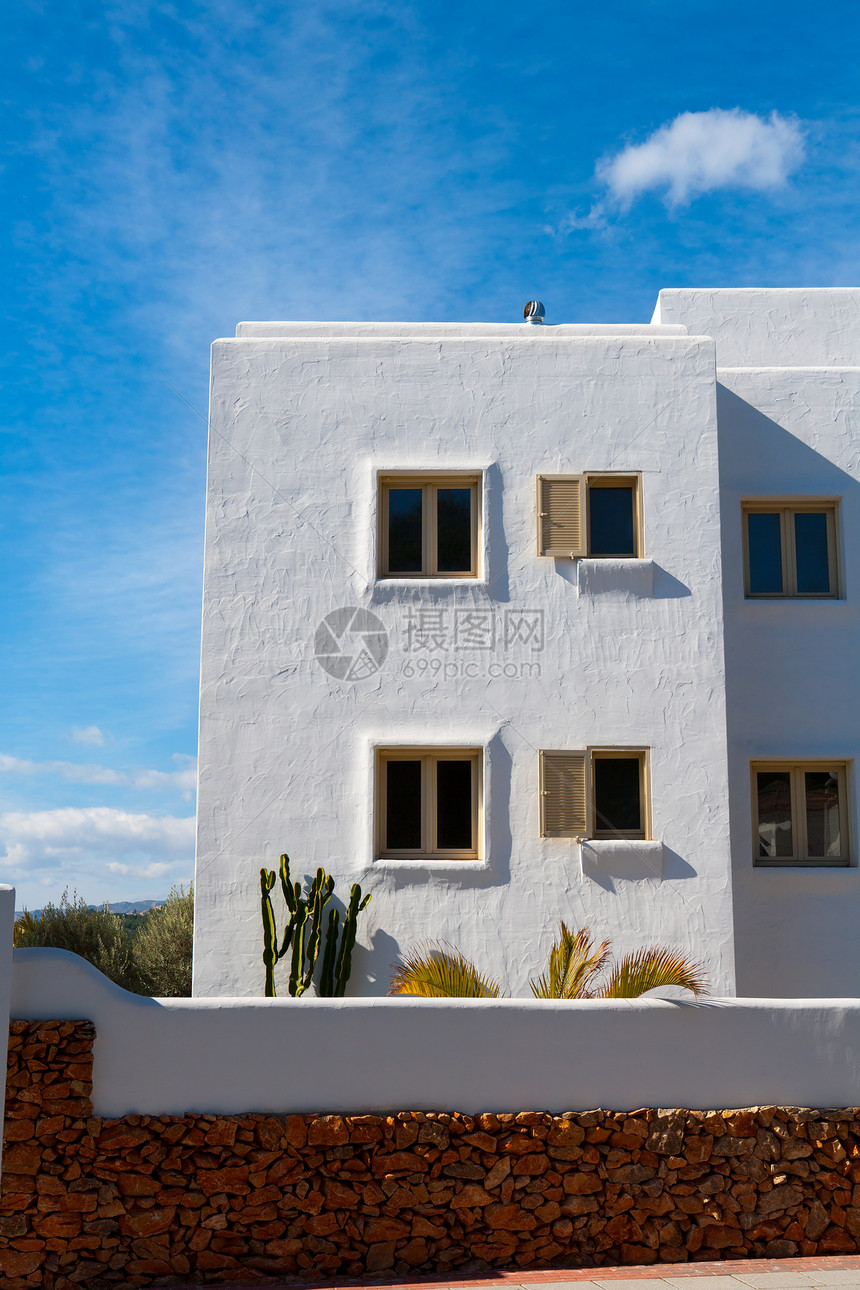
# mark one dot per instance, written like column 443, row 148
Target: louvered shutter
column 563, row 796
column 561, row 515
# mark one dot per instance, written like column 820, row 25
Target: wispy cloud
column 89, row 735
column 184, row 779
column 699, row 152
column 694, row 154
column 155, row 870
column 86, row 842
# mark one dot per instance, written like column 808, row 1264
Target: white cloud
column 155, row 870
column 89, row 735
column 574, row 222
column 699, row 152
column 184, row 779
column 84, row 842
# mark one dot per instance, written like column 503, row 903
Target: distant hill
column 134, row 906
column 120, row 907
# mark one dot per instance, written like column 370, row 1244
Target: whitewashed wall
column 789, row 425
column 169, row 1056
column 7, row 919
column 769, row 326
column 303, row 416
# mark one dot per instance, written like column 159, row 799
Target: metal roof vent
column 534, row 312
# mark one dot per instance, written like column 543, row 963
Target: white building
column 514, row 623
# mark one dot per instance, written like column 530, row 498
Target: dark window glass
column 822, row 813
column 774, row 813
column 810, row 546
column 454, row 513
column 454, row 805
column 610, row 521
column 403, row 806
column 405, row 511
column 765, row 553
column 617, row 806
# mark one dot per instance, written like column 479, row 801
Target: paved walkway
column 839, row 1271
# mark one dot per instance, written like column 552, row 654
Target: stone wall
column 93, row 1201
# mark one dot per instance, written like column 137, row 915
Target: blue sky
column 169, row 171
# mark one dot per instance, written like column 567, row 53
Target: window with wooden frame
column 790, row 548
column 800, row 813
column 596, row 793
column 428, row 803
column 594, row 515
column 429, row 525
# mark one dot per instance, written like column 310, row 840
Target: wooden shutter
column 563, row 797
column 561, row 515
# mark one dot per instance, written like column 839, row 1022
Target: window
column 429, row 526
column 589, row 515
column 428, row 803
column 790, row 548
column 799, row 813
column 598, row 793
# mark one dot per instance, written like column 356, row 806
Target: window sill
column 385, row 590
column 608, row 575
column 808, row 865
column 426, row 866
column 824, row 598
column 631, row 858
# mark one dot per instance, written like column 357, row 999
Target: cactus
column 337, row 962
column 303, row 932
column 330, row 955
column 270, row 947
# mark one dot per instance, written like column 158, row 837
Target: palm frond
column 25, row 930
column 649, row 968
column 573, row 965
column 436, row 970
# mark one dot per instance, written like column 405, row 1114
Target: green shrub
column 95, row 934
column 161, row 949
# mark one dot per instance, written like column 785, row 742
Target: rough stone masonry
column 94, row 1202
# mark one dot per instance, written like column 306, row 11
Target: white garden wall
column 7, row 919
column 168, row 1056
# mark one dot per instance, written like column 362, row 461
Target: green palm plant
column 25, row 931
column 573, row 965
column 650, row 968
column 436, row 970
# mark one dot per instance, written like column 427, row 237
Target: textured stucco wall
column 632, row 655
column 792, row 677
column 7, row 919
column 768, row 327
column 170, row 1056
column 789, row 425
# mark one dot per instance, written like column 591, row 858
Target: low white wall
column 7, row 919
column 167, row 1056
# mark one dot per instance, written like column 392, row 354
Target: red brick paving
column 649, row 1272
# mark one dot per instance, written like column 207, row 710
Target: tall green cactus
column 303, row 932
column 270, row 944
column 337, row 962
